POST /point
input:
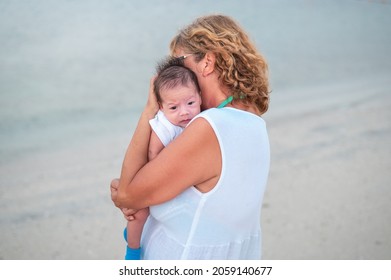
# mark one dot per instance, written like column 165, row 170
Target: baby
column 179, row 97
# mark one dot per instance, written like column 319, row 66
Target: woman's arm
column 137, row 153
column 193, row 158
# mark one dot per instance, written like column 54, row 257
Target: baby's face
column 180, row 104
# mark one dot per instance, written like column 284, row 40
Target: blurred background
column 74, row 77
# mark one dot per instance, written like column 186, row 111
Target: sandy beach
column 73, row 81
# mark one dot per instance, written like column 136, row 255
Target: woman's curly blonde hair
column 242, row 68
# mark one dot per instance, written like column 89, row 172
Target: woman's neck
column 215, row 96
column 244, row 107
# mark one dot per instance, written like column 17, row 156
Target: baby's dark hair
column 171, row 72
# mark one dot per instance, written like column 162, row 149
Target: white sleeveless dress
column 225, row 222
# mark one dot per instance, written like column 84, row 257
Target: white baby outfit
column 225, row 222
column 164, row 129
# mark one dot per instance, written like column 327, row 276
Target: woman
column 205, row 189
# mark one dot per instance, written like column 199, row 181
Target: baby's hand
column 132, row 214
column 129, row 214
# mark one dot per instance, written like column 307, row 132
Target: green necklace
column 225, row 102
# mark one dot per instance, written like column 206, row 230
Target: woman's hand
column 129, row 214
column 152, row 105
column 114, row 190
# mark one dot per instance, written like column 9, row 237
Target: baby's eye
column 191, row 103
column 172, row 108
